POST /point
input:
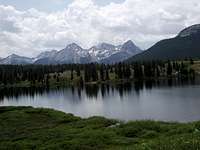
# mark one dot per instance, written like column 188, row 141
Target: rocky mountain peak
column 130, row 47
column 129, row 44
column 73, row 46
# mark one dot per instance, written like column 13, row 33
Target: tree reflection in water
column 94, row 90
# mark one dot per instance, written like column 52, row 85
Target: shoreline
column 108, row 118
column 110, row 82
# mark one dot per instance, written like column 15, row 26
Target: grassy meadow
column 31, row 128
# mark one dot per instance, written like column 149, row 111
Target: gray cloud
column 9, row 26
column 83, row 21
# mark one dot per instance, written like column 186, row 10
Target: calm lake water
column 157, row 100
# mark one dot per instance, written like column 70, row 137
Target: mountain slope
column 46, row 54
column 185, row 45
column 45, row 61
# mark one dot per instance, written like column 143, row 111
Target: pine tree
column 169, row 68
column 102, row 78
column 72, row 74
column 107, row 74
column 78, row 72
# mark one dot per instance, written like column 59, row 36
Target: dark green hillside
column 185, row 45
column 29, row 128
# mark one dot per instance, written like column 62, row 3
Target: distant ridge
column 16, row 59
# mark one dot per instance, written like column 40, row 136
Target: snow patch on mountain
column 103, row 50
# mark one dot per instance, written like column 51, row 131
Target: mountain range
column 73, row 53
column 185, row 45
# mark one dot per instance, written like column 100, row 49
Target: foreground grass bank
column 30, row 128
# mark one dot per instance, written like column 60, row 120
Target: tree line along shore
column 79, row 74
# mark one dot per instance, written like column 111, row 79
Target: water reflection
column 171, row 100
column 94, row 90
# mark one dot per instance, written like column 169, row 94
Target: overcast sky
column 28, row 27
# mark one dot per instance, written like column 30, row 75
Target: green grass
column 30, row 128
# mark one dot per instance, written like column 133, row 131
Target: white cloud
column 83, row 21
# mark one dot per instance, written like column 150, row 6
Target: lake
column 165, row 100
